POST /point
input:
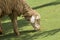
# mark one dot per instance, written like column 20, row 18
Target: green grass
column 50, row 23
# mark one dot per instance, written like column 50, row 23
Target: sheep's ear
column 37, row 17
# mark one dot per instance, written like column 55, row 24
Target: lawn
column 50, row 23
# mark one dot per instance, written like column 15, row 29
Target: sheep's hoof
column 1, row 33
column 17, row 34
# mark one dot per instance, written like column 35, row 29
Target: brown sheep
column 14, row 8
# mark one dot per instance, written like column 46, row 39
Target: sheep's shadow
column 12, row 35
column 8, row 26
column 25, row 34
column 45, row 5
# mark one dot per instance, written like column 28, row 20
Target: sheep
column 15, row 8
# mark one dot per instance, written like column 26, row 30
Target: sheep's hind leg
column 0, row 23
column 0, row 27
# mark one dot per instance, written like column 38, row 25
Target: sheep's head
column 34, row 19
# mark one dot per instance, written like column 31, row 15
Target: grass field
column 50, row 23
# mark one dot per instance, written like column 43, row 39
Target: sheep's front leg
column 0, row 27
column 14, row 21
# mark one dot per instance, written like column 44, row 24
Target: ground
column 50, row 23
